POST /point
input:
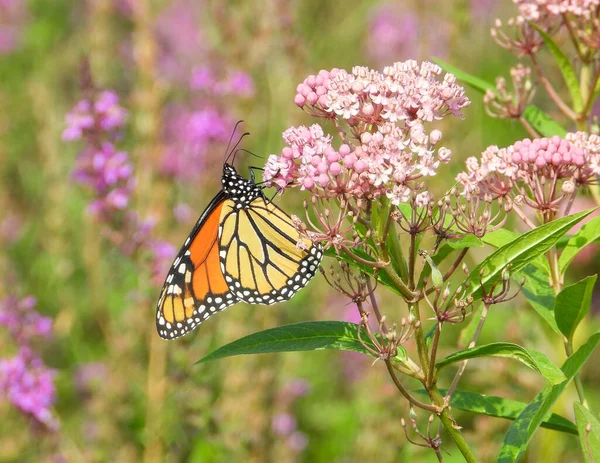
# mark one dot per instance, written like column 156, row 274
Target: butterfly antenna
column 233, row 150
column 232, row 134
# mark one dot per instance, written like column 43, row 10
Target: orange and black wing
column 195, row 287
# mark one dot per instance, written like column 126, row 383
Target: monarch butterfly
column 243, row 248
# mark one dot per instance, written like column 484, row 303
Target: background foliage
column 121, row 393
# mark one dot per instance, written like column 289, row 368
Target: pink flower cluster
column 383, row 163
column 575, row 158
column 405, row 91
column 104, row 114
column 534, row 10
column 390, row 147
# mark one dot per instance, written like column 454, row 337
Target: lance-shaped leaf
column 589, row 433
column 573, row 304
column 500, row 407
column 502, row 237
column 522, row 430
column 565, row 67
column 587, row 234
column 542, row 122
column 534, row 360
column 539, row 294
column 319, row 335
column 473, row 81
column 520, row 252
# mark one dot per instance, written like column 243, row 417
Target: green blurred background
column 122, row 393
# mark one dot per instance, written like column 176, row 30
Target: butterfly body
column 242, row 249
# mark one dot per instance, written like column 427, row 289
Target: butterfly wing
column 195, row 287
column 259, row 253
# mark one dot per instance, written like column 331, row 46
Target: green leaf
column 565, row 67
column 573, row 304
column 539, row 293
column 468, row 331
column 469, row 79
column 534, row 360
column 466, row 241
column 587, row 234
column 443, row 252
column 300, row 337
column 500, row 407
column 521, row 431
column 436, row 276
column 588, row 438
column 542, row 122
column 395, row 252
column 382, row 277
column 502, row 236
column 429, row 335
column 520, row 252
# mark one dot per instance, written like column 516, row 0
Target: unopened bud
column 435, row 136
column 446, row 293
column 568, row 187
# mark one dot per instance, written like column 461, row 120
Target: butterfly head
column 241, row 190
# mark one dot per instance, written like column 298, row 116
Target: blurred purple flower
column 284, row 424
column 111, row 116
column 79, row 119
column 109, row 174
column 11, row 227
column 240, row 84
column 394, row 35
column 103, row 115
column 183, row 213
column 29, row 385
column 24, row 379
column 202, row 78
column 13, row 15
column 190, row 136
column 22, row 322
column 180, row 39
column 484, row 8
column 297, row 388
column 163, row 254
column 90, row 376
column 297, row 441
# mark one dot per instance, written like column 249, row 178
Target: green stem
column 451, row 427
column 415, row 315
column 556, row 282
column 585, row 82
column 434, row 346
column 407, row 294
column 576, row 379
column 405, row 393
